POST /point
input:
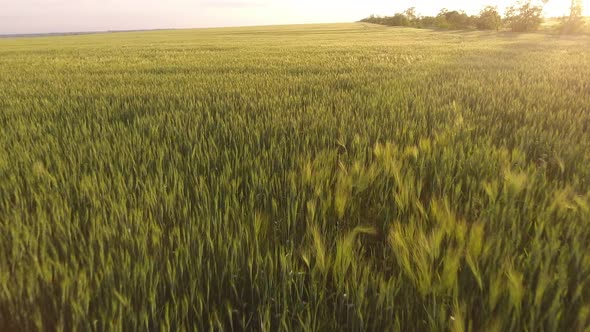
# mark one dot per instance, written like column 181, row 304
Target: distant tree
column 576, row 9
column 373, row 19
column 525, row 16
column 453, row 20
column 441, row 19
column 411, row 15
column 398, row 19
column 426, row 22
column 489, row 19
column 573, row 23
column 370, row 19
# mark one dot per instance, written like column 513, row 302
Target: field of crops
column 317, row 178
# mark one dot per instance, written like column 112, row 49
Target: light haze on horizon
column 44, row 16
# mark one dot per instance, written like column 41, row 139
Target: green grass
column 318, row 178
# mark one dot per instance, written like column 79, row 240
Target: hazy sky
column 31, row 16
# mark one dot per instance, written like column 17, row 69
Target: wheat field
column 315, row 178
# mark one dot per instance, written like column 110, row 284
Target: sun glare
column 557, row 8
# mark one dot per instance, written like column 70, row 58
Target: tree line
column 523, row 16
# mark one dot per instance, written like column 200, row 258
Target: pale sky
column 41, row 16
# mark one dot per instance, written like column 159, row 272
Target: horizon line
column 92, row 32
